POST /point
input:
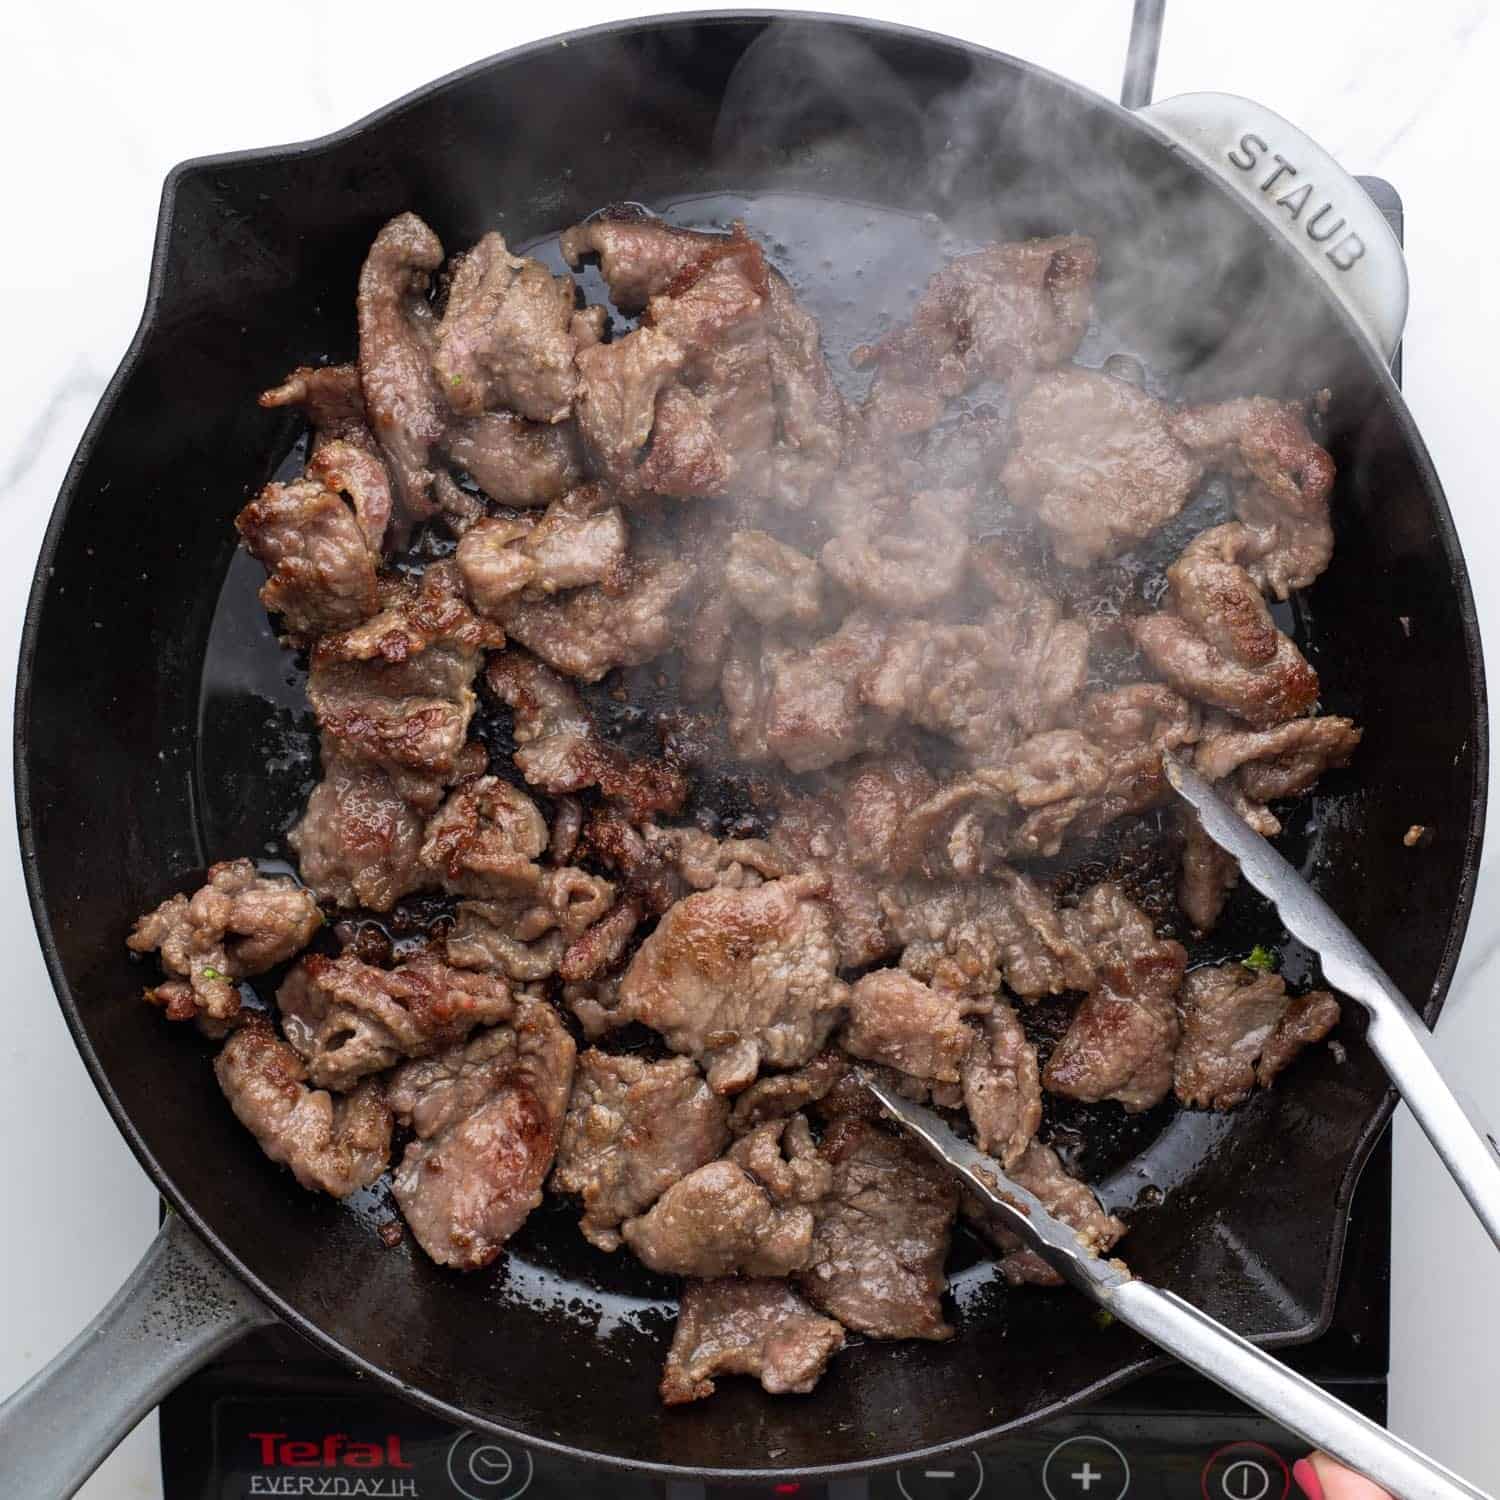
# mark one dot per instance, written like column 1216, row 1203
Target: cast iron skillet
column 131, row 778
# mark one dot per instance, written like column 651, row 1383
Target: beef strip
column 746, row 1326
column 688, row 457
column 783, row 1157
column 624, row 622
column 1253, row 767
column 320, row 567
column 404, row 407
column 997, row 314
column 506, row 336
column 810, row 835
column 721, row 1221
column 776, row 1096
column 1283, row 483
column 771, row 582
column 345, row 457
column 358, row 839
column 907, row 1025
column 1217, row 642
column 1308, row 1019
column 581, row 539
column 976, row 936
column 812, row 714
column 639, row 255
column 1040, row 1170
column 531, row 934
column 735, row 978
column 911, row 566
column 394, row 692
column 487, row 1117
column 560, row 749
column 1097, row 461
column 333, row 1145
column 1002, row 1086
column 983, row 686
column 348, row 1019
column 634, row 1128
column 881, row 1236
column 1122, row 1039
column 238, row 923
column 1230, row 1016
column 810, row 415
column 484, row 840
column 618, row 387
column 515, row 462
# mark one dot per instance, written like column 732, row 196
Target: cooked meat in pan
column 676, row 693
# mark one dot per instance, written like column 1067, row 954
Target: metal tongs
column 1396, row 1033
column 1179, row 1328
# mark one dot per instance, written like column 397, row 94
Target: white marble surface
column 100, row 100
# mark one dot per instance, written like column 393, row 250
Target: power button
column 1246, row 1471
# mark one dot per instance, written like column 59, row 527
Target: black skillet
column 158, row 730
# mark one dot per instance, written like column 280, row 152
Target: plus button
column 1086, row 1477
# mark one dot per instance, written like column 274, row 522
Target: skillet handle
column 1298, row 187
column 1262, row 1381
column 178, row 1309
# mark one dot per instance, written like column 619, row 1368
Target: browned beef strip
column 688, row 457
column 882, row 1236
column 1002, row 1086
column 487, row 1117
column 1308, row 1019
column 746, row 1326
column 358, row 839
column 905, row 1024
column 1284, row 481
column 1254, row 767
column 530, row 934
column 1232, row 1018
column 987, row 684
column 581, row 539
column 629, row 620
column 238, row 923
column 640, row 256
column 917, row 562
column 321, row 570
column 330, row 396
column 783, row 1157
column 633, row 1128
column 1040, row 1171
column 560, row 750
column 404, row 408
column 394, row 692
column 334, row 1145
column 516, row 462
column 810, row 415
column 978, row 935
column 1122, row 1040
column 1096, row 459
column 618, row 386
column 812, row 715
column 348, row 1019
column 771, row 582
column 1217, row 642
column 735, row 978
column 775, row 1096
column 997, row 314
column 506, row 336
column 721, row 1221
column 484, row 840
column 810, row 833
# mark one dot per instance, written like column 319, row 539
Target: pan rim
column 156, row 292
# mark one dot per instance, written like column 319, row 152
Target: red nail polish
column 1307, row 1479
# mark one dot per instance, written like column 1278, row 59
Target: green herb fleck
column 211, row 973
column 455, row 380
column 1103, row 1317
column 1261, row 959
